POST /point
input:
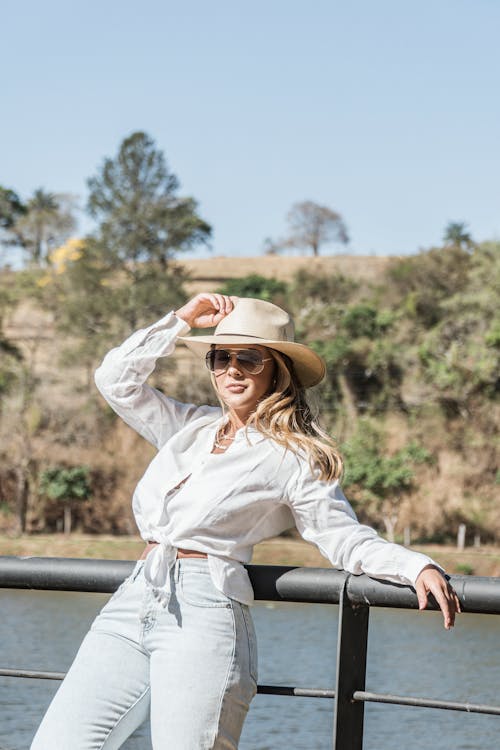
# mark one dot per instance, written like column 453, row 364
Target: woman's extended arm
column 324, row 517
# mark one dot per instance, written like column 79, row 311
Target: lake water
column 409, row 654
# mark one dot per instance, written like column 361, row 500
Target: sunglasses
column 250, row 360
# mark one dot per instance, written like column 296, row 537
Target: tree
column 83, row 296
column 20, row 421
column 11, row 207
column 455, row 234
column 123, row 275
column 460, row 355
column 20, row 413
column 311, row 226
column 355, row 340
column 69, row 485
column 378, row 481
column 424, row 282
column 254, row 285
column 143, row 223
column 47, row 221
column 9, row 356
column 134, row 197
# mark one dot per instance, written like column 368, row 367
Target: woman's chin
column 239, row 403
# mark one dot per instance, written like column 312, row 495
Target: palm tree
column 48, row 221
column 455, row 234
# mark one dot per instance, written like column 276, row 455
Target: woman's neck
column 235, row 422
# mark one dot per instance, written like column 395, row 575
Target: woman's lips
column 235, row 388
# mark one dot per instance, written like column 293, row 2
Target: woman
column 177, row 637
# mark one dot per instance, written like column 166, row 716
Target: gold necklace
column 219, row 445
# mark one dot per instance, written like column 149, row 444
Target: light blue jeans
column 191, row 664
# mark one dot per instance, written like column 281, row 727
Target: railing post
column 351, row 672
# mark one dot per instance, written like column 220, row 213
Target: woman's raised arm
column 121, row 378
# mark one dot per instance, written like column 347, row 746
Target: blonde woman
column 176, row 640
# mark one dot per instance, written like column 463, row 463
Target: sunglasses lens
column 218, row 360
column 250, row 360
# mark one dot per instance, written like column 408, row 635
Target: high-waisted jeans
column 191, row 663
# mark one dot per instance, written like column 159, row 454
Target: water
column 409, row 653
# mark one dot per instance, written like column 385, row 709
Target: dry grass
column 283, row 267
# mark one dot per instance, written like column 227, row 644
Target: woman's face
column 240, row 390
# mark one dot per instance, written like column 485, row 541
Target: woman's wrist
column 183, row 315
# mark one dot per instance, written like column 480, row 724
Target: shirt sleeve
column 324, row 517
column 121, row 379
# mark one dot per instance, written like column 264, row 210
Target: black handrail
column 354, row 594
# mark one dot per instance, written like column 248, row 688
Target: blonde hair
column 285, row 416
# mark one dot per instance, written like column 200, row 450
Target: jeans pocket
column 196, row 588
column 128, row 580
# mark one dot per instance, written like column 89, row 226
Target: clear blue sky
column 386, row 111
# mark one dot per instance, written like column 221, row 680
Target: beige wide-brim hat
column 254, row 321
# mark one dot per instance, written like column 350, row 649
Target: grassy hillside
column 411, row 394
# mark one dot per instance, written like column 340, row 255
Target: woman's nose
column 234, row 365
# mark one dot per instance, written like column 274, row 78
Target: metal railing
column 354, row 595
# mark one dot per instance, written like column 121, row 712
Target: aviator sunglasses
column 250, row 360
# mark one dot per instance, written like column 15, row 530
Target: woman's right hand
column 206, row 310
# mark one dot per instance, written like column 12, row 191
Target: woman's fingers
column 206, row 309
column 421, row 596
column 431, row 580
column 446, row 604
column 223, row 305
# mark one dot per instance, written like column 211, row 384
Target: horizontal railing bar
column 264, row 689
column 295, row 691
column 270, row 582
column 32, row 674
column 300, row 692
column 477, row 708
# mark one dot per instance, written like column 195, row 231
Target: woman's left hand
column 430, row 579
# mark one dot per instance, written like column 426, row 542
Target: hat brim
column 309, row 367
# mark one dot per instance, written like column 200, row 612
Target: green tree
column 20, row 423
column 48, row 220
column 378, row 481
column 10, row 355
column 456, row 235
column 141, row 217
column 19, row 409
column 321, row 289
column 68, row 485
column 142, row 225
column 363, row 370
column 84, row 298
column 460, row 355
column 123, row 275
column 11, row 208
column 420, row 284
column 254, row 285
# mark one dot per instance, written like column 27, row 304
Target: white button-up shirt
column 231, row 501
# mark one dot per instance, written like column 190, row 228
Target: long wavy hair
column 285, row 416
